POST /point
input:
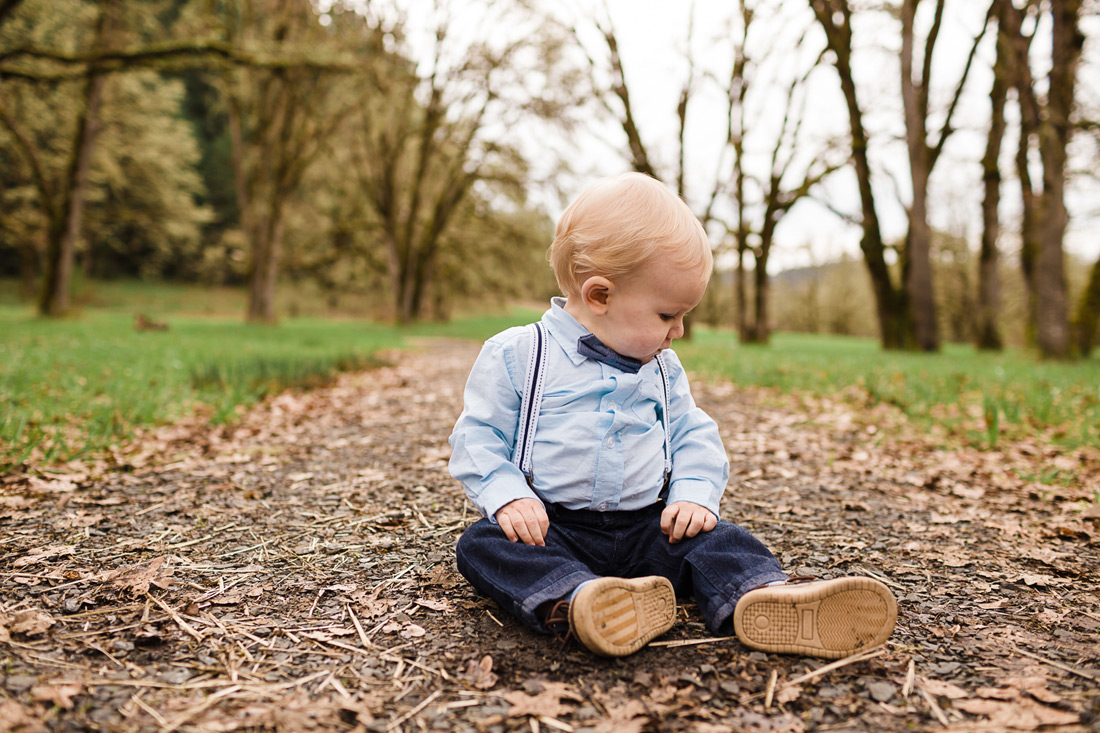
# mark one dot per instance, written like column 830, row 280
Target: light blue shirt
column 599, row 443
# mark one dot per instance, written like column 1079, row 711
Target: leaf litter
column 294, row 571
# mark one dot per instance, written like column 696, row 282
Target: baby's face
column 645, row 312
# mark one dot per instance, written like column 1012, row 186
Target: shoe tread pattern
column 619, row 616
column 832, row 619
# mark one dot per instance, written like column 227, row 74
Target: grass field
column 977, row 397
column 74, row 386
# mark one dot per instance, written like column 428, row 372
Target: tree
column 136, row 187
column 65, row 204
column 906, row 310
column 729, row 206
column 791, row 176
column 278, row 121
column 429, row 135
column 987, row 329
column 923, row 156
column 1046, row 125
column 891, row 301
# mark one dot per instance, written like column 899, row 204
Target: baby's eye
column 667, row 317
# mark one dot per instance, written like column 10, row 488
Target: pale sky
column 653, row 35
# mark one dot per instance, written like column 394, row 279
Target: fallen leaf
column 60, row 695
column 788, row 694
column 30, row 622
column 138, row 578
column 1017, row 715
column 480, row 674
column 14, row 717
column 943, row 689
column 39, row 554
column 412, row 631
column 545, row 703
column 433, row 605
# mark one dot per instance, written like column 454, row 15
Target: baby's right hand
column 524, row 519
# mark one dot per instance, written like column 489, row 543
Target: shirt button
column 603, row 507
column 611, row 441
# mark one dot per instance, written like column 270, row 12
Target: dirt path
column 296, row 573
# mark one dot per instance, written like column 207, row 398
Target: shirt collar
column 565, row 329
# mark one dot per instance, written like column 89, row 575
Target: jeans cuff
column 555, row 591
column 723, row 617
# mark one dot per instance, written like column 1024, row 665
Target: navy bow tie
column 593, row 348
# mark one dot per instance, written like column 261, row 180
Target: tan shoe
column 821, row 618
column 614, row 617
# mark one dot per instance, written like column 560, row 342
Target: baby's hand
column 524, row 519
column 682, row 519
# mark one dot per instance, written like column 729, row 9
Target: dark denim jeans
column 716, row 567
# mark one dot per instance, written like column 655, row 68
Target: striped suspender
column 533, row 384
column 532, row 398
column 664, row 415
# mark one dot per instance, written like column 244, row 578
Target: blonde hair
column 616, row 225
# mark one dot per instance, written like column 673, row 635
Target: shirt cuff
column 695, row 490
column 495, row 495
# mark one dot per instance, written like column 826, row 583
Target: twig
column 427, row 701
column 335, row 684
column 136, row 699
column 210, row 701
column 411, row 663
column 221, row 589
column 490, row 615
column 910, row 674
column 555, row 723
column 177, row 618
column 935, row 706
column 770, row 694
column 340, row 645
column 178, row 545
column 1059, row 665
column 880, row 577
column 690, row 642
column 1093, row 616
column 148, row 509
column 862, row 656
column 358, row 627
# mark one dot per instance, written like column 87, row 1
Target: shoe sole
column 830, row 618
column 614, row 617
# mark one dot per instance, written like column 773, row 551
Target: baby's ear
column 595, row 292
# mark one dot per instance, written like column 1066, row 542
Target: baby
column 598, row 477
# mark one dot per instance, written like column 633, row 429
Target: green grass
column 72, row 387
column 976, row 397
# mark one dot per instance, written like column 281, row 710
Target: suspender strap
column 533, row 384
column 660, row 359
column 532, row 398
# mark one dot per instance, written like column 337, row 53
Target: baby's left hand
column 682, row 519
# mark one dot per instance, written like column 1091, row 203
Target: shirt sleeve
column 484, row 436
column 700, row 466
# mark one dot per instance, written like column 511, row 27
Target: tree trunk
column 891, row 303
column 918, row 279
column 265, row 268
column 739, row 296
column 989, row 277
column 67, row 217
column 918, row 251
column 759, row 331
column 1052, row 315
column 1088, row 313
